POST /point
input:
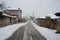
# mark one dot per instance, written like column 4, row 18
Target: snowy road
column 26, row 32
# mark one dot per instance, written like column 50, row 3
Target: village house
column 6, row 19
column 9, row 15
column 14, row 11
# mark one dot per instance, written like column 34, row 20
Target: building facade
column 6, row 19
column 14, row 11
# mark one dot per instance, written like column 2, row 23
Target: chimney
column 18, row 8
column 9, row 7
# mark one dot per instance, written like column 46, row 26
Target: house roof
column 4, row 14
column 8, row 13
column 13, row 9
column 52, row 16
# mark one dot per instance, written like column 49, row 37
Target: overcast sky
column 39, row 7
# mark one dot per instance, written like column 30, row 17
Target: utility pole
column 33, row 14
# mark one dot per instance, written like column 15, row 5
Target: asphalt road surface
column 26, row 32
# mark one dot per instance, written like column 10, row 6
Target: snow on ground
column 47, row 33
column 57, row 36
column 6, row 32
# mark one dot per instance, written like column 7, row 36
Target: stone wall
column 49, row 23
column 4, row 21
column 45, row 23
column 58, row 27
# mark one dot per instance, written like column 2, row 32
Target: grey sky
column 39, row 7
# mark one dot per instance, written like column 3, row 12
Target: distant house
column 6, row 19
column 31, row 17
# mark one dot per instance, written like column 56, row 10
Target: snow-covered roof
column 8, row 15
column 52, row 15
column 13, row 9
column 42, row 17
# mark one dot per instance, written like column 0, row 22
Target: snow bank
column 7, row 31
column 57, row 36
column 47, row 33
